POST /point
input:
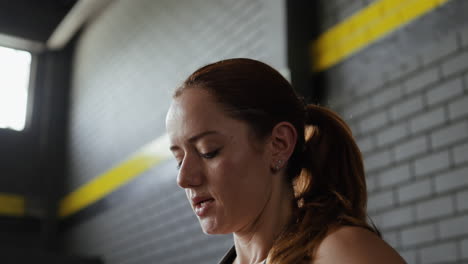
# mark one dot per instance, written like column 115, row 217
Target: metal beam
column 82, row 12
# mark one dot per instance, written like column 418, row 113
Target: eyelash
column 208, row 155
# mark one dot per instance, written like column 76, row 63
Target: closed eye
column 210, row 155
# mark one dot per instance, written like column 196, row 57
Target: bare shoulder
column 355, row 245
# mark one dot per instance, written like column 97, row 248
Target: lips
column 197, row 200
column 202, row 204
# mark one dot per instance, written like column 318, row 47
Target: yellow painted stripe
column 357, row 22
column 149, row 156
column 365, row 27
column 12, row 204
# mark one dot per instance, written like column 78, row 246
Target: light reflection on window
column 14, row 81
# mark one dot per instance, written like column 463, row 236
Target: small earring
column 278, row 165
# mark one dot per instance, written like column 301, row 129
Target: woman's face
column 224, row 170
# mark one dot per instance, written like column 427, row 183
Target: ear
column 283, row 141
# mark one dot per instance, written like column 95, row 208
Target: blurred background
column 85, row 176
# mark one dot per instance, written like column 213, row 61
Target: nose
column 190, row 173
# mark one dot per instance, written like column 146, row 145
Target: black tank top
column 230, row 257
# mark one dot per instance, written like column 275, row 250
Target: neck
column 255, row 241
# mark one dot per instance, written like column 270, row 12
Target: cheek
column 242, row 181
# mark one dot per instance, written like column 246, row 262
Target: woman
column 285, row 178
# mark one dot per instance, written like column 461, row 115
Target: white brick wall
column 460, row 153
column 422, row 80
column 434, row 208
column 407, row 96
column 416, row 190
column 418, row 235
column 454, row 227
column 464, row 249
column 392, row 134
column 397, row 217
column 395, row 175
column 406, row 107
column 432, row 163
column 462, row 201
column 450, row 134
column 458, row 108
column 456, row 64
column 444, row 91
column 453, row 179
column 411, row 148
column 441, row 253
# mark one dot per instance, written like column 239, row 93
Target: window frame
column 34, row 48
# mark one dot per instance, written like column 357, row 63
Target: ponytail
column 330, row 190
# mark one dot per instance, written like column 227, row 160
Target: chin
column 211, row 227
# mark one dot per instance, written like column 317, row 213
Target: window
column 14, row 85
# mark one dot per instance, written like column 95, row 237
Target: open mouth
column 204, row 202
column 201, row 208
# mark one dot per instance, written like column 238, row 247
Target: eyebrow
column 197, row 137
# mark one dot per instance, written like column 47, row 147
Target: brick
column 444, row 47
column 450, row 134
column 368, row 85
column 411, row 148
column 402, row 68
column 445, row 91
column 466, row 81
column 418, row 235
column 377, row 160
column 458, row 108
column 394, row 175
column 413, row 191
column 452, row 180
column 462, row 201
column 406, row 108
column 371, row 183
column 434, row 208
column 381, row 200
column 464, row 38
column 365, row 144
column 409, row 65
column 455, row 64
column 456, row 226
column 386, row 96
column 464, row 248
column 421, row 80
column 409, row 256
column 431, row 163
column 373, row 122
column 460, row 153
column 440, row 253
column 391, row 134
column 427, row 120
column 358, row 109
column 397, row 217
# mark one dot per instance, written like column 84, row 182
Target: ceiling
column 32, row 19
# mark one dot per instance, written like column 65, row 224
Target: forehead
column 195, row 111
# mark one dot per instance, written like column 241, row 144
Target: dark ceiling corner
column 32, row 19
